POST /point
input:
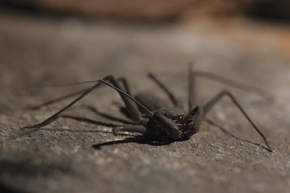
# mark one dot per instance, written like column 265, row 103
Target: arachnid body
column 159, row 123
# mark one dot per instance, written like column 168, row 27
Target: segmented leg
column 126, row 85
column 219, row 96
column 191, row 89
column 236, row 84
column 35, row 107
column 131, row 106
column 165, row 89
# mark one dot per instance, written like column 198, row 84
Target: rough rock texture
column 78, row 153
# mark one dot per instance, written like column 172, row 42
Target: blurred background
column 64, row 29
column 160, row 9
column 93, row 38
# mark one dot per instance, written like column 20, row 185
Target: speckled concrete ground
column 78, row 153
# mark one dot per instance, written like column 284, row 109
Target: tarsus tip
column 271, row 149
column 27, row 126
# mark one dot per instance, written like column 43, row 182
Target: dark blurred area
column 278, row 10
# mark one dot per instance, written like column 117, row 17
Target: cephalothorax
column 159, row 123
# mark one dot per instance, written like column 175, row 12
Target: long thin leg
column 212, row 102
column 107, row 116
column 54, row 116
column 191, row 89
column 131, row 106
column 165, row 89
column 35, row 107
column 235, row 84
column 126, row 85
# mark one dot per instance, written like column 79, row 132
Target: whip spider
column 154, row 120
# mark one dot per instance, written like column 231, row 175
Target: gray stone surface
column 62, row 156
